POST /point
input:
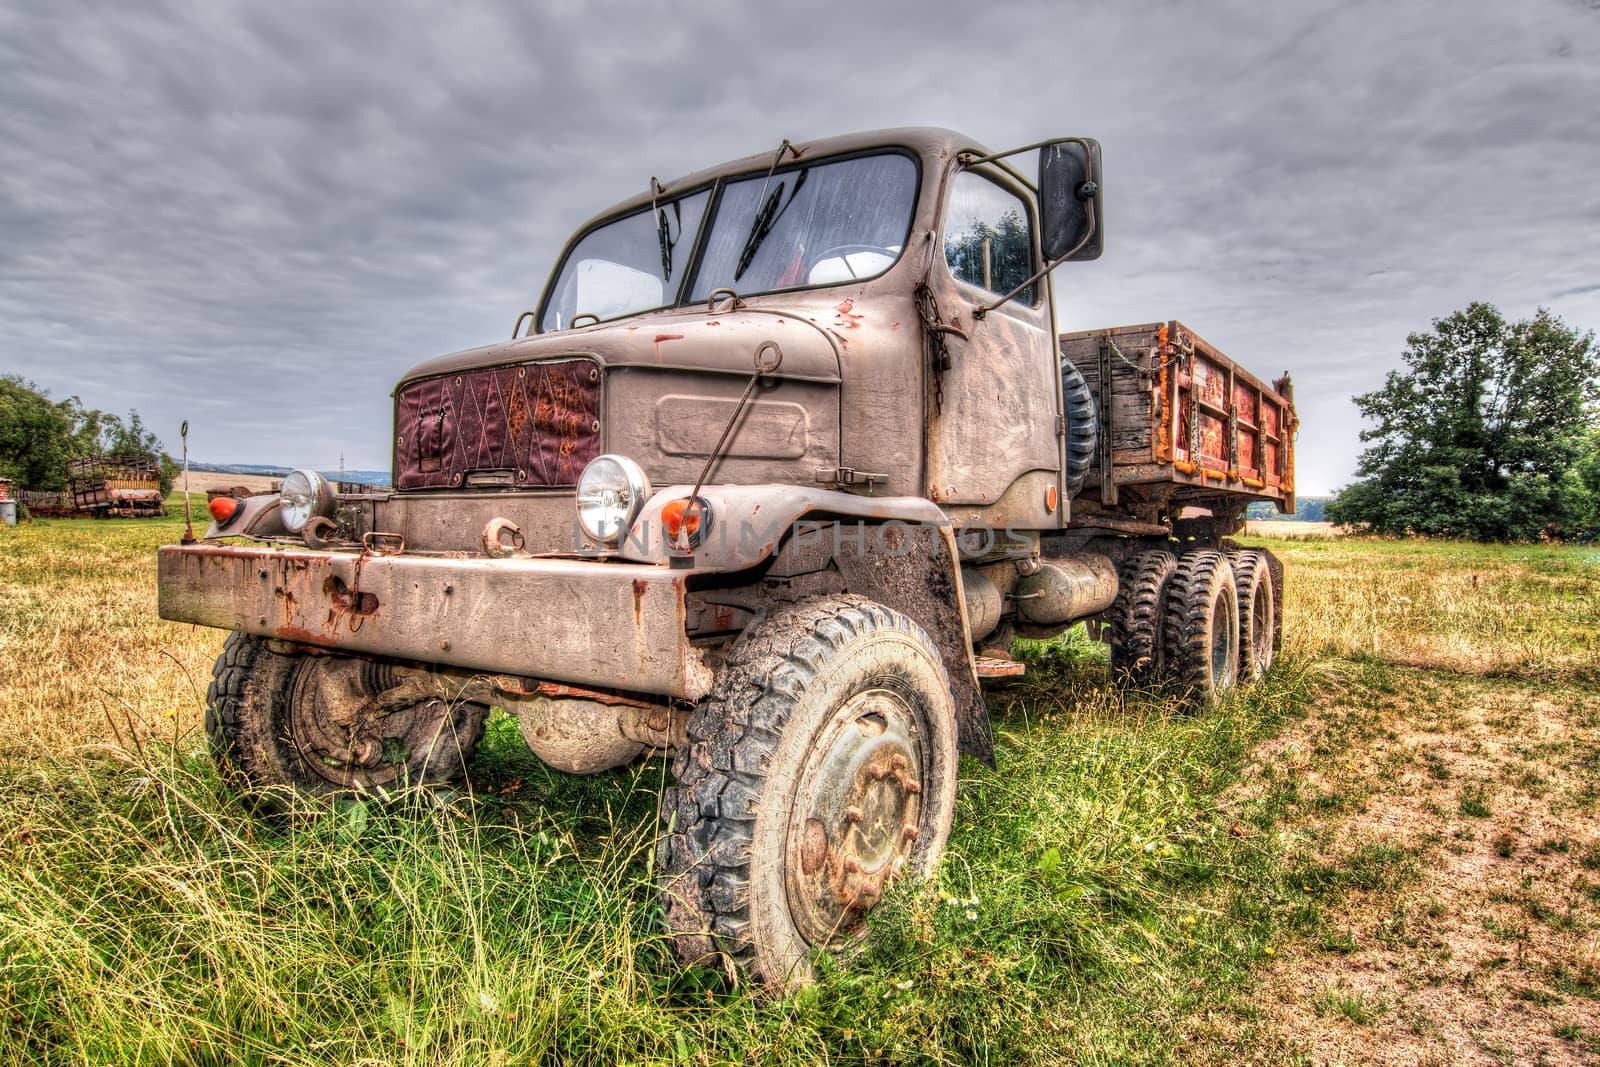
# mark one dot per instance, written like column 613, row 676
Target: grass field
column 1388, row 850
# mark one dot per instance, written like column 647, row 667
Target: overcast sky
column 256, row 216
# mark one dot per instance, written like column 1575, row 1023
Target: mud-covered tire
column 1275, row 568
column 829, row 739
column 249, row 724
column 1080, row 425
column 1202, row 625
column 1259, row 629
column 1134, row 622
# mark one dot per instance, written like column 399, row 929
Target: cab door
column 992, row 413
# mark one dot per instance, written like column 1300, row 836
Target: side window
column 988, row 236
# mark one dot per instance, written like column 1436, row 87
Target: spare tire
column 1080, row 426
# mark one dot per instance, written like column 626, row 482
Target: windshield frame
column 709, row 220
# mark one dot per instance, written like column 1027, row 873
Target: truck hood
column 685, row 338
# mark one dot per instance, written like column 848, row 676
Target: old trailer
column 124, row 486
column 1180, row 424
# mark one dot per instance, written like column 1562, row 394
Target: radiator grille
column 537, row 423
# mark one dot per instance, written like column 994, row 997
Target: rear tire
column 1134, row 620
column 1259, row 630
column 270, row 732
column 1202, row 625
column 820, row 769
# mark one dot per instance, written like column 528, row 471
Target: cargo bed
column 1180, row 423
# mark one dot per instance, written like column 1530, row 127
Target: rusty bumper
column 615, row 625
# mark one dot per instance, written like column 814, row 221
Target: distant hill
column 1307, row 509
column 365, row 477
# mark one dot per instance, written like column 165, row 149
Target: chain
column 933, row 331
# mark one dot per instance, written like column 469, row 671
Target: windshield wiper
column 664, row 236
column 765, row 220
column 767, row 217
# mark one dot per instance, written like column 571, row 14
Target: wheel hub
column 856, row 814
column 345, row 736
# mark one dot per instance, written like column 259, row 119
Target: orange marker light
column 223, row 508
column 681, row 521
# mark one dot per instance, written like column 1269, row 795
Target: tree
column 35, row 436
column 1480, row 435
column 1586, row 476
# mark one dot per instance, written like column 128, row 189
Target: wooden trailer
column 1180, row 425
column 125, row 486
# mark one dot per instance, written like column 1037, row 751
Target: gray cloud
column 257, row 216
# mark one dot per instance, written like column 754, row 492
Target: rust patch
column 298, row 635
column 660, row 337
column 848, row 318
column 639, row 587
column 345, row 601
column 599, row 696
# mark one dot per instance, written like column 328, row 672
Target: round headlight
column 304, row 494
column 611, row 491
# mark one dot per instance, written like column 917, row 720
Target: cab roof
column 923, row 140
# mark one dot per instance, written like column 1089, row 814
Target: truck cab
column 784, row 455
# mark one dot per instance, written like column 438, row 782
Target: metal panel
column 587, row 623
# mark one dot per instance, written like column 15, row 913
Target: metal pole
column 188, row 519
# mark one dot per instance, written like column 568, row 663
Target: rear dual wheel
column 1135, row 620
column 1204, row 620
column 1260, row 599
column 1201, row 635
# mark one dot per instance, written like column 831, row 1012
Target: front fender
column 749, row 522
column 898, row 551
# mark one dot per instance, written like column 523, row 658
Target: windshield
column 810, row 226
column 823, row 224
column 630, row 265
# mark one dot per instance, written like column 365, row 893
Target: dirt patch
column 1463, row 843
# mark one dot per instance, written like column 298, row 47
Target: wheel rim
column 857, row 812
column 1261, row 625
column 1224, row 641
column 340, row 734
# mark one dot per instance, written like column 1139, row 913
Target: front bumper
column 615, row 625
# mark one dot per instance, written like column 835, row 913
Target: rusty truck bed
column 1180, row 420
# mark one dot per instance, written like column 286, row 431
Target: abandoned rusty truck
column 786, row 455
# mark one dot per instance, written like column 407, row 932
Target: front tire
column 282, row 725
column 821, row 768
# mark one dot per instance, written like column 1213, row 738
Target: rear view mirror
column 1071, row 223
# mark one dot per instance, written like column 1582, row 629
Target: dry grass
column 1511, row 610
column 200, row 481
column 82, row 655
column 1291, row 529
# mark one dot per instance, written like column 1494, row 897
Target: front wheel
column 821, row 768
column 320, row 726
